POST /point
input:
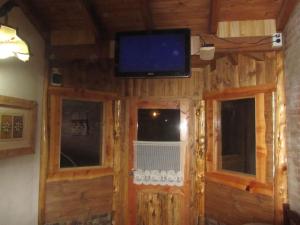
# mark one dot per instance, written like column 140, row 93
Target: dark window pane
column 158, row 125
column 238, row 135
column 81, row 133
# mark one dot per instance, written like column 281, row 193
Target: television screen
column 155, row 53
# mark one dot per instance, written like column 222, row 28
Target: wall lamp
column 11, row 45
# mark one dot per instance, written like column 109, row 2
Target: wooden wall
column 70, row 198
column 227, row 204
column 231, row 70
column 78, row 199
column 237, row 70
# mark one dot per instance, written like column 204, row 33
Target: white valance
column 158, row 163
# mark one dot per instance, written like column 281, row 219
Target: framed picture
column 17, row 126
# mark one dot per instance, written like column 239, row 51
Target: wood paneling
column 247, row 28
column 222, row 202
column 254, row 9
column 158, row 208
column 232, row 206
column 66, row 200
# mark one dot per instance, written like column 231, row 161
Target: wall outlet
column 277, row 40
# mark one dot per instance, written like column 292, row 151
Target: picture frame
column 17, row 126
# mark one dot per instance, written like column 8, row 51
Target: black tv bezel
column 155, row 74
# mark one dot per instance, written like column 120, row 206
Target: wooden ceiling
column 106, row 17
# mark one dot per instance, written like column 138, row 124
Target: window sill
column 242, row 182
column 79, row 173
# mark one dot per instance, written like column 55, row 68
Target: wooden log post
column 280, row 182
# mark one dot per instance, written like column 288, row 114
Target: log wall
column 231, row 70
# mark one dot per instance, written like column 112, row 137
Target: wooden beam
column 258, row 56
column 93, row 19
column 240, row 44
column 284, row 13
column 214, row 16
column 69, row 53
column 146, row 14
column 37, row 20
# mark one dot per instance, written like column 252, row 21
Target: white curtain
column 158, row 163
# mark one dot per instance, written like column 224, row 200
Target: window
column 81, row 133
column 159, row 125
column 239, row 137
column 158, row 147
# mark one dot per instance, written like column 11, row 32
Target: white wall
column 19, row 176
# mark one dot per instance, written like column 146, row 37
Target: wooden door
column 156, row 204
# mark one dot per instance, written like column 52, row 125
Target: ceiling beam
column 284, row 13
column 146, row 14
column 34, row 17
column 93, row 19
column 240, row 44
column 214, row 16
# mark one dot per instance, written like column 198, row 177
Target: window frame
column 253, row 183
column 56, row 97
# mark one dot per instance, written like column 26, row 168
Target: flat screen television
column 164, row 53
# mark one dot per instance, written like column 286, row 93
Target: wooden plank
column 44, row 152
column 35, row 17
column 227, row 205
column 280, row 183
column 242, row 182
column 146, row 14
column 261, row 148
column 246, row 28
column 71, row 53
column 286, row 9
column 240, row 44
column 214, row 16
column 69, row 200
column 241, row 92
column 94, row 21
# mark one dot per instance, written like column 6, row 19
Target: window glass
column 238, row 135
column 81, row 133
column 159, row 125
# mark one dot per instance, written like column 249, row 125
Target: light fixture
column 11, row 45
column 207, row 51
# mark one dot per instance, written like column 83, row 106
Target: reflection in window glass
column 81, row 133
column 238, row 135
column 158, row 125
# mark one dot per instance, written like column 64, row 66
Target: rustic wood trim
column 82, row 93
column 214, row 16
column 256, row 183
column 242, row 182
column 240, row 44
column 133, row 189
column 200, row 161
column 280, row 159
column 44, row 152
column 284, row 14
column 242, row 92
column 54, row 170
column 19, row 103
column 80, row 174
column 261, row 147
